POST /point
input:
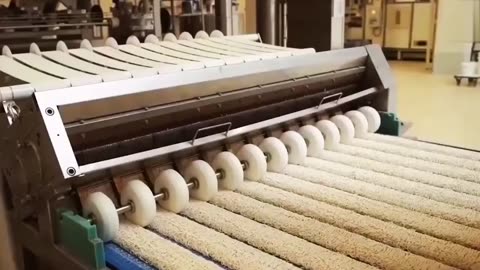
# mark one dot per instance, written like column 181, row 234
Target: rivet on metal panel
column 49, row 111
column 71, row 171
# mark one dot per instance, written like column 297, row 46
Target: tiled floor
column 439, row 110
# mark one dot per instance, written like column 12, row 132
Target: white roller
column 168, row 37
column 133, row 40
column 330, row 132
column 314, row 140
column 171, row 182
column 296, row 147
column 144, row 206
column 231, row 169
column 201, row 34
column 256, row 164
column 373, row 118
column 85, row 44
column 35, row 49
column 62, row 47
column 111, row 42
column 216, row 34
column 185, row 36
column 204, row 175
column 6, row 51
column 103, row 211
column 346, row 128
column 149, row 39
column 360, row 123
column 277, row 154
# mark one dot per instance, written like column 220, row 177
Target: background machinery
column 222, row 151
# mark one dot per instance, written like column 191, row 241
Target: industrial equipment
column 282, row 22
column 20, row 26
column 90, row 146
column 174, row 16
column 400, row 27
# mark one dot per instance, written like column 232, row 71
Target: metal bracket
column 12, row 111
column 228, row 125
column 337, row 95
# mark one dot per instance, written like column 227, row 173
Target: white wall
column 454, row 34
column 477, row 21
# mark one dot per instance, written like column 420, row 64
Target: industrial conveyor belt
column 221, row 152
column 338, row 211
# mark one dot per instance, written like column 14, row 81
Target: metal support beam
column 157, row 5
column 267, row 20
column 223, row 20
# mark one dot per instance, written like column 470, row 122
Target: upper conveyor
column 119, row 104
column 87, row 65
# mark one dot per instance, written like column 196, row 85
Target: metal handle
column 338, row 95
column 228, row 125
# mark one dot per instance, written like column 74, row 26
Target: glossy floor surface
column 439, row 110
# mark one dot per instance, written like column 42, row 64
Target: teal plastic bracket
column 80, row 238
column 391, row 125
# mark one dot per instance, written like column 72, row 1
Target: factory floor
column 439, row 110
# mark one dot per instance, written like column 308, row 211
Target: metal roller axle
column 191, row 184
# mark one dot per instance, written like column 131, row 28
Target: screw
column 71, row 171
column 49, row 111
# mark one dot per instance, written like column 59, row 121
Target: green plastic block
column 391, row 125
column 80, row 238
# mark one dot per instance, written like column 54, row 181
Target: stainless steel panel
column 238, row 132
column 115, row 97
column 172, row 108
